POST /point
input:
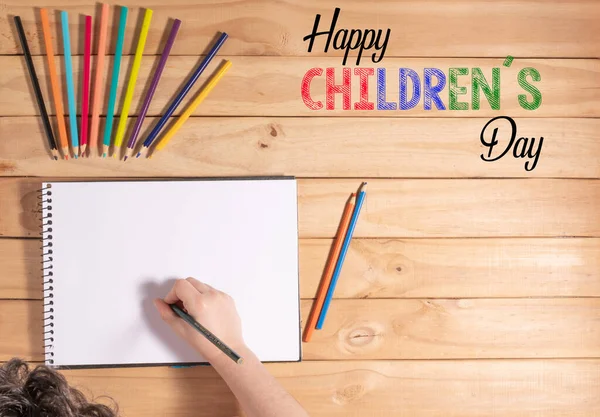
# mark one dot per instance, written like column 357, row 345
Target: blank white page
column 118, row 245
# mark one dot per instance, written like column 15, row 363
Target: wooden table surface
column 472, row 288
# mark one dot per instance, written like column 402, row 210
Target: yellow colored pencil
column 206, row 89
column 135, row 69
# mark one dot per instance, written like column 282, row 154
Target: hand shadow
column 151, row 290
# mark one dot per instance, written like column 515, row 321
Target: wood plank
column 271, row 86
column 510, row 388
column 22, row 332
column 393, row 268
column 457, row 268
column 402, row 329
column 401, row 208
column 565, row 28
column 457, row 329
column 20, row 263
column 454, row 208
column 323, row 147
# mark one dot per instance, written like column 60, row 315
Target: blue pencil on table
column 70, row 83
column 344, row 251
column 112, row 95
column 181, row 95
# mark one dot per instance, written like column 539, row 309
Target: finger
column 184, row 291
column 169, row 316
column 164, row 310
column 200, row 286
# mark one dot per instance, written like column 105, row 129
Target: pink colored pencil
column 97, row 101
column 87, row 58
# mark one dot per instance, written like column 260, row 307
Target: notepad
column 111, row 247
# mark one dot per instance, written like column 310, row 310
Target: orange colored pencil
column 56, row 88
column 332, row 261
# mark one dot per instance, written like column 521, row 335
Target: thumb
column 169, row 317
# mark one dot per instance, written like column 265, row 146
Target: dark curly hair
column 43, row 392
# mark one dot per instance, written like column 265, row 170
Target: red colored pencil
column 85, row 104
column 333, row 258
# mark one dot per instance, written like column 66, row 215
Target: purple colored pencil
column 153, row 85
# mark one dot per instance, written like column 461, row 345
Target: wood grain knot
column 263, row 145
column 274, row 130
column 348, row 394
column 7, row 167
column 434, row 307
column 362, row 336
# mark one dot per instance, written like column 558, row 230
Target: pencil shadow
column 96, row 27
column 146, row 87
column 110, row 63
column 182, row 105
column 60, row 57
column 111, row 43
column 39, row 39
column 50, row 102
column 145, row 131
column 190, row 74
column 120, row 152
column 173, row 119
column 134, row 15
column 150, row 290
column 38, row 119
column 60, row 69
column 79, row 59
column 94, row 72
column 165, row 35
column 161, row 46
column 15, row 36
column 324, row 269
column 110, row 53
column 208, row 47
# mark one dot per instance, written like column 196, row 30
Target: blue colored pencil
column 181, row 95
column 340, row 262
column 112, row 95
column 70, row 84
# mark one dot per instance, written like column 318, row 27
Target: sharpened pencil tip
column 125, row 159
column 104, row 155
column 75, row 156
column 67, row 157
column 138, row 155
column 56, row 158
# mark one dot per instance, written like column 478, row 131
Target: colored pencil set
column 88, row 135
column 333, row 269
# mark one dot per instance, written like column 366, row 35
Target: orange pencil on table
column 332, row 261
column 56, row 88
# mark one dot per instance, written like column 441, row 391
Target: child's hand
column 211, row 308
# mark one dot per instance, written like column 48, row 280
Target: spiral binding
column 45, row 206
